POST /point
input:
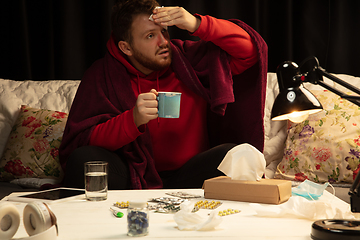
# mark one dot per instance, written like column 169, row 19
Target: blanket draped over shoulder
column 236, row 103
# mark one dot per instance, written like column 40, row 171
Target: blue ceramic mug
column 169, row 104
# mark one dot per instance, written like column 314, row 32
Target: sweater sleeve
column 124, row 127
column 232, row 39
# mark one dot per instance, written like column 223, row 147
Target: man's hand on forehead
column 175, row 16
column 152, row 19
column 151, row 16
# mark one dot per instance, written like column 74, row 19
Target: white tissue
column 187, row 220
column 243, row 162
column 300, row 207
column 151, row 17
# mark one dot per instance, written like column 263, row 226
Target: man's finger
column 150, row 103
column 148, row 96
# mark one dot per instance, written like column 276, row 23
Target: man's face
column 150, row 45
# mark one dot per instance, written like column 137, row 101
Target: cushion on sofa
column 32, row 147
column 326, row 146
column 52, row 94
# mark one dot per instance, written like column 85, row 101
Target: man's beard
column 151, row 63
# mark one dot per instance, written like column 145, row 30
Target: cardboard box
column 272, row 191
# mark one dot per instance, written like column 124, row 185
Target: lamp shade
column 294, row 101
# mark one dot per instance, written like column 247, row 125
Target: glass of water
column 96, row 180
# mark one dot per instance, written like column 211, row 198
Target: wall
column 60, row 39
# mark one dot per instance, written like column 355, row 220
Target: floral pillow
column 326, row 146
column 32, row 150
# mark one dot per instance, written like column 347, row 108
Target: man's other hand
column 145, row 108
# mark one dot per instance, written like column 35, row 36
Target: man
column 114, row 114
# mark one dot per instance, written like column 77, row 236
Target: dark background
column 60, row 39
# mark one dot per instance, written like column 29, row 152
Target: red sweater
column 175, row 141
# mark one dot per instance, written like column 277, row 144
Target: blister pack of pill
column 183, row 195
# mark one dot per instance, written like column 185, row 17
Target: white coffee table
column 80, row 219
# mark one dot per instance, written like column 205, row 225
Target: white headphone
column 39, row 221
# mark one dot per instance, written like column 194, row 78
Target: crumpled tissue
column 243, row 162
column 327, row 207
column 151, row 17
column 187, row 220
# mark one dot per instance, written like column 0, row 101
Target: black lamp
column 295, row 103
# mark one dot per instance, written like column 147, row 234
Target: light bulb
column 298, row 117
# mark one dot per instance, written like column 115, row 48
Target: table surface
column 81, row 219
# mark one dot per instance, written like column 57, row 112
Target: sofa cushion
column 326, row 146
column 32, row 147
column 53, row 94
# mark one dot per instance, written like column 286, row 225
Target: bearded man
column 114, row 116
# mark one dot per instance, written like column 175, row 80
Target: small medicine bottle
column 138, row 219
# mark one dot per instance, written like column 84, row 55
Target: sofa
column 323, row 148
column 38, row 97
